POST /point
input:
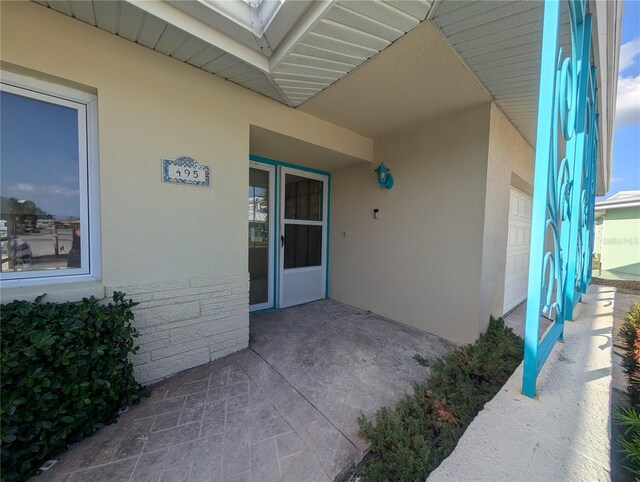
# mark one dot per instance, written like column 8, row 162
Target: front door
column 303, row 236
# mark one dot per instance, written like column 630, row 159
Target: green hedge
column 65, row 373
column 411, row 440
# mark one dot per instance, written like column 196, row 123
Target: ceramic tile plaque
column 185, row 170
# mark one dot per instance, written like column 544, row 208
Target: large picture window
column 47, row 159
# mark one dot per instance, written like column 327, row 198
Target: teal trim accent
column 273, row 162
column 326, row 287
column 262, row 310
column 276, row 163
column 276, row 238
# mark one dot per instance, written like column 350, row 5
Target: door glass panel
column 259, row 198
column 302, row 246
column 303, row 198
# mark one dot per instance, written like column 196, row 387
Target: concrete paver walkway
column 284, row 409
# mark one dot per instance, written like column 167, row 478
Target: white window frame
column 90, row 249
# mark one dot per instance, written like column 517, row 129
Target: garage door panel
column 518, row 239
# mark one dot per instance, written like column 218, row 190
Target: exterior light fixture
column 385, row 179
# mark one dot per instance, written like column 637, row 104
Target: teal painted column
column 576, row 150
column 564, row 184
column 538, row 259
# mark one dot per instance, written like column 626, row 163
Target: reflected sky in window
column 39, row 154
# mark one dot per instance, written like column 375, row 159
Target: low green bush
column 65, row 373
column 410, row 441
column 629, row 418
column 630, row 334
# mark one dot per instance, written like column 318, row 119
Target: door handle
column 282, row 240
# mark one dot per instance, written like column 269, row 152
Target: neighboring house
column 617, row 245
column 95, row 95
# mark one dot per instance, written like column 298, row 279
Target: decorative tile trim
column 198, row 174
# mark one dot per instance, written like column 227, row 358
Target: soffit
column 417, row 79
column 349, row 33
column 501, row 41
column 127, row 21
column 306, row 47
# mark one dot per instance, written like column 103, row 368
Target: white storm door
column 303, row 236
column 517, row 267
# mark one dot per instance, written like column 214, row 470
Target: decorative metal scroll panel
column 564, row 183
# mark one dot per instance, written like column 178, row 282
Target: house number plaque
column 185, row 170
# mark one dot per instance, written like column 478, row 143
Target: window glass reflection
column 40, row 212
column 258, row 236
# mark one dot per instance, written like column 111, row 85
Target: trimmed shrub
column 629, row 418
column 65, row 374
column 630, row 333
column 410, row 441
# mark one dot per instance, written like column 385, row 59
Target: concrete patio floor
column 284, row 409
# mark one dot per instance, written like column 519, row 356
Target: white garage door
column 517, row 268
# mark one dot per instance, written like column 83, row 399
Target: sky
column 626, row 138
column 39, row 154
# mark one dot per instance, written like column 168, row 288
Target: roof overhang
column 605, row 205
column 623, row 199
column 292, row 50
column 501, row 42
column 287, row 50
column 606, row 51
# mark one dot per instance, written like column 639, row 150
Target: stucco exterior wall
column 157, row 238
column 621, row 240
column 420, row 263
column 510, row 163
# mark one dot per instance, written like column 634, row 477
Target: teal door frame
column 274, row 162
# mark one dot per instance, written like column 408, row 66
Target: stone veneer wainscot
column 187, row 323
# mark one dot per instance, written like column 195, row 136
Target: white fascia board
column 268, row 10
column 618, row 203
column 181, row 20
column 606, row 51
column 237, row 12
column 315, row 13
column 244, row 13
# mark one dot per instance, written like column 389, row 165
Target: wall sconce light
column 385, row 179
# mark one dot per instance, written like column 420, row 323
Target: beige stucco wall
column 157, row 236
column 420, row 263
column 509, row 163
column 150, row 107
column 434, row 259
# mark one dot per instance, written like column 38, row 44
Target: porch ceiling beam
column 315, row 13
column 181, row 20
